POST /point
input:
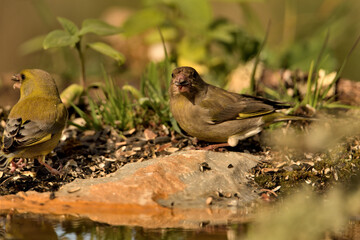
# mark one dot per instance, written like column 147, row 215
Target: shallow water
column 18, row 226
column 38, row 226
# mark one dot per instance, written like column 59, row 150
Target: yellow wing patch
column 250, row 115
column 44, row 139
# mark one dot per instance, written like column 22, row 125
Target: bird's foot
column 17, row 165
column 53, row 171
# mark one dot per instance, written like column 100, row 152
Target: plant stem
column 308, row 99
column 339, row 72
column 82, row 63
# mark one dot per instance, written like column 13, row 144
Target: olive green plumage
column 36, row 121
column 213, row 114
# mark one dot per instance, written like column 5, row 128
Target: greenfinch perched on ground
column 36, row 121
column 213, row 114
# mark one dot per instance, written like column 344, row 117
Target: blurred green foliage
column 127, row 107
column 195, row 35
column 71, row 36
column 112, row 107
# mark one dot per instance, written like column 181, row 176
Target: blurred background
column 215, row 36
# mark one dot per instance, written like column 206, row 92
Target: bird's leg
column 48, row 167
column 15, row 165
column 215, row 146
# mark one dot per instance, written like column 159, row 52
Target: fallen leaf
column 149, row 134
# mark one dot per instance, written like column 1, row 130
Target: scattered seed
column 119, row 144
column 204, row 166
column 280, row 165
column 276, row 188
column 29, row 174
column 268, row 170
column 129, row 132
column 219, row 194
column 101, row 165
column 72, row 190
column 232, row 203
column 228, row 195
column 172, row 149
column 209, row 201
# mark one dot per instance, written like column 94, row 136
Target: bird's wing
column 25, row 131
column 223, row 105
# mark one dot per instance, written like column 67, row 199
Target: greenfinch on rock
column 213, row 114
column 36, row 121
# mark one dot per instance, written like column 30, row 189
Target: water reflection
column 65, row 227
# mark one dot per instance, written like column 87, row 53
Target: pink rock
column 149, row 193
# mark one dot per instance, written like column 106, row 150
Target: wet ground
column 92, row 154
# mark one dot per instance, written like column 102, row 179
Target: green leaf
column 59, row 38
column 32, row 45
column 98, row 27
column 340, row 105
column 108, row 51
column 71, row 94
column 175, row 125
column 239, row 1
column 68, row 25
column 192, row 50
column 198, row 14
column 221, row 34
column 134, row 92
column 142, row 21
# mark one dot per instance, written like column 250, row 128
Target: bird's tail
column 280, row 117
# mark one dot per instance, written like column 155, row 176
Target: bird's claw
column 17, row 165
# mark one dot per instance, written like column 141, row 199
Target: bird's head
column 34, row 81
column 186, row 81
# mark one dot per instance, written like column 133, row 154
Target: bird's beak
column 183, row 85
column 182, row 82
column 16, row 78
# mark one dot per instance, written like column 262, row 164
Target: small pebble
column 161, row 140
column 52, row 196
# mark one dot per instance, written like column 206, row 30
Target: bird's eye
column 22, row 76
column 172, row 75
